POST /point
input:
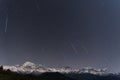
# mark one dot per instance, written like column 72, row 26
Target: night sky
column 57, row 33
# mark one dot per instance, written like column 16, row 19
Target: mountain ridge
column 29, row 67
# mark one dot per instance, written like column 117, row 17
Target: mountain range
column 29, row 67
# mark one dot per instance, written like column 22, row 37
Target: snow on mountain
column 29, row 64
column 29, row 67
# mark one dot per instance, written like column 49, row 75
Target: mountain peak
column 28, row 63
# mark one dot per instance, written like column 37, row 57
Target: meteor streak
column 74, row 48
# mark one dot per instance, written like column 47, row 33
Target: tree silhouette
column 1, row 68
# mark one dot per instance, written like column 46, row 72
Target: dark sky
column 57, row 33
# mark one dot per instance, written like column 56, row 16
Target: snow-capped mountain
column 29, row 67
